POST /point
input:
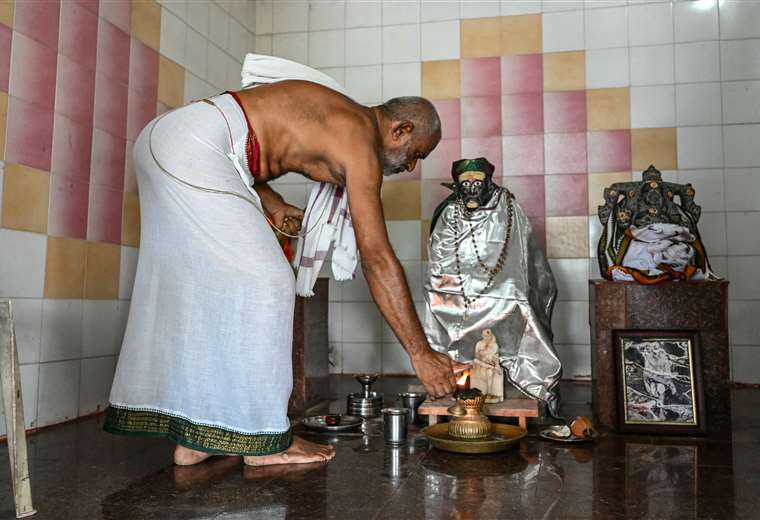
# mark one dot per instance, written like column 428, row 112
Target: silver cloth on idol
column 517, row 306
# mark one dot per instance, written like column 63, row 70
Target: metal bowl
column 318, row 423
column 502, row 437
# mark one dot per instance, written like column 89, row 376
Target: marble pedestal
column 692, row 305
column 310, row 350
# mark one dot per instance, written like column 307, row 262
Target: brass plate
column 503, row 436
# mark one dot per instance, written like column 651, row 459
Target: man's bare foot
column 300, row 452
column 187, row 457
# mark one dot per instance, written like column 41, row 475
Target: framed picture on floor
column 659, row 383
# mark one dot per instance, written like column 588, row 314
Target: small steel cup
column 412, row 401
column 394, row 425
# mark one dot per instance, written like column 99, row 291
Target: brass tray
column 503, row 437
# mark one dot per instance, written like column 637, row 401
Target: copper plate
column 503, row 437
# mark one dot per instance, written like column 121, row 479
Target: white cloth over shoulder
column 327, row 221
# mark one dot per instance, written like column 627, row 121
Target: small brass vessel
column 468, row 421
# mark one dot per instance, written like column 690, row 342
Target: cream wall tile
column 361, row 322
column 401, row 43
column 264, row 17
column 173, row 36
column 97, row 377
column 401, row 79
column 61, row 330
column 653, row 107
column 741, row 144
column 576, row 361
column 362, row 358
column 479, row 8
column 22, row 274
column 700, row 147
column 744, row 276
column 405, row 238
column 650, row 24
column 27, row 320
column 740, row 59
column 698, row 104
column 739, row 19
column 741, row 102
column 697, row 62
column 607, row 68
column 606, row 28
column 58, row 392
column 397, row 12
column 294, row 46
column 327, row 49
column 570, row 323
column 364, row 46
column 743, row 322
column 436, row 10
column 572, row 276
column 563, row 31
column 364, row 14
column 328, row 14
column 440, row 41
column 101, row 331
column 709, row 185
column 290, row 16
column 127, row 271
column 652, row 65
column 695, row 21
column 198, row 16
column 550, row 6
column 365, row 83
column 519, row 7
column 742, row 189
column 744, row 363
column 742, row 235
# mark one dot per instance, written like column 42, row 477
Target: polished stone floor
column 79, row 472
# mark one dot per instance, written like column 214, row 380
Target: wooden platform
column 520, row 408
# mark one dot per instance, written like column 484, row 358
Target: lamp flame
column 463, row 378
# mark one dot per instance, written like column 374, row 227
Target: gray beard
column 393, row 163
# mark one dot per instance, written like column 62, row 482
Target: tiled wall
column 78, row 81
column 565, row 97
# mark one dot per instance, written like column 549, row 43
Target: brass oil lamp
column 468, row 421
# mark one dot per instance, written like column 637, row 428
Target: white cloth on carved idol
column 656, row 244
column 327, row 222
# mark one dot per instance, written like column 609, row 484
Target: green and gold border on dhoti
column 201, row 437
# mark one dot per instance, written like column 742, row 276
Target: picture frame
column 659, row 382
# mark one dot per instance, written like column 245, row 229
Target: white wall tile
column 606, row 28
column 219, row 26
column 520, row 7
column 328, row 14
column 652, row 65
column 233, row 74
column 27, row 322
column 743, row 323
column 362, row 358
column 698, row 104
column 196, row 53
column 709, row 187
column 741, row 102
column 653, row 107
column 389, row 336
column 570, row 323
column 364, row 14
column 650, row 24
column 440, row 41
column 744, row 276
column 739, row 19
column 217, row 66
column 176, row 7
column 413, row 273
column 607, row 68
column 335, row 293
column 294, row 194
column 264, row 17
column 195, row 88
column 695, row 21
column 292, row 46
column 127, row 271
column 29, row 384
column 2, row 182
column 364, row 46
column 712, row 229
column 395, row 360
column 740, row 59
column 401, row 79
column 576, row 361
column 563, row 31
column 97, row 378
column 327, row 49
column 742, row 189
column 479, row 8
column 365, row 83
column 173, row 35
column 263, row 45
column 22, row 274
column 335, row 358
column 571, row 275
column 336, row 73
column 741, row 144
column 700, row 147
column 239, row 41
column 361, row 323
column 405, row 238
column 397, row 12
column 718, row 265
column 401, row 43
column 697, row 62
column 594, row 232
column 102, row 332
column 334, row 323
column 58, row 392
column 436, row 10
column 744, row 363
column 743, row 238
column 550, row 6
column 198, row 16
column 290, row 16
column 61, row 330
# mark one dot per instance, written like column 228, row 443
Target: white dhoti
column 206, row 358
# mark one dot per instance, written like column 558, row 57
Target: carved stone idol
column 487, row 374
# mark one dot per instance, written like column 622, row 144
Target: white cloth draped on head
column 327, row 221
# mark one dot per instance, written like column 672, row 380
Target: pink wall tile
column 79, row 33
column 529, row 193
column 565, row 153
column 90, row 5
column 432, row 195
column 33, row 68
column 449, row 110
column 104, row 215
column 38, row 19
column 488, row 147
column 438, row 163
column 113, row 52
column 118, row 12
column 111, row 99
column 161, row 108
column 68, row 207
column 141, row 109
column 565, row 111
column 522, row 114
column 609, row 151
column 481, row 77
column 6, row 36
column 130, row 179
column 566, row 195
column 523, row 155
column 539, row 231
column 520, row 74
column 143, row 68
column 481, row 116
column 108, row 156
column 72, row 149
column 29, row 143
column 75, row 90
